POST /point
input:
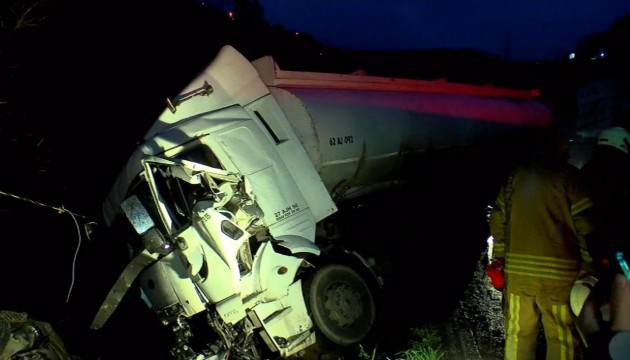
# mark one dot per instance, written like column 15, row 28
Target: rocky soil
column 475, row 330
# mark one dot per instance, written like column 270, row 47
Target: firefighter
column 607, row 180
column 539, row 223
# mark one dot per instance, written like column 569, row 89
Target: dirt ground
column 475, row 330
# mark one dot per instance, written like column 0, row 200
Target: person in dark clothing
column 607, row 180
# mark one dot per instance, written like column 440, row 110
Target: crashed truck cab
column 226, row 193
column 223, row 165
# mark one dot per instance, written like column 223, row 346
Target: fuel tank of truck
column 364, row 132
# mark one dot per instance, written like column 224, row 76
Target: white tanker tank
column 227, row 190
column 360, row 130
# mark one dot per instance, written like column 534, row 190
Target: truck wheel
column 341, row 304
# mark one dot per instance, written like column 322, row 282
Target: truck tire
column 341, row 304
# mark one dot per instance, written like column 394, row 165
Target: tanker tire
column 341, row 305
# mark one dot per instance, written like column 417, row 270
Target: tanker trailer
column 226, row 198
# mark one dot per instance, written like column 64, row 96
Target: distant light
column 231, row 15
column 572, row 56
column 600, row 55
column 297, row 33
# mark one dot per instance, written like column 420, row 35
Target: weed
column 425, row 344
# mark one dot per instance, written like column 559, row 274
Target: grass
column 425, row 344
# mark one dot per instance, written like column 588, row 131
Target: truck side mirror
column 137, row 215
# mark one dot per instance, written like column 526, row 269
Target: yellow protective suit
column 539, row 226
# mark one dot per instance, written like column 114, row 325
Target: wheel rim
column 341, row 304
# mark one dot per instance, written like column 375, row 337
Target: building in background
column 603, row 100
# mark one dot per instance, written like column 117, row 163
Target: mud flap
column 124, row 282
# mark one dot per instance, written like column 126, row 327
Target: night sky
column 518, row 29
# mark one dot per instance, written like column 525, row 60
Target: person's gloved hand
column 494, row 271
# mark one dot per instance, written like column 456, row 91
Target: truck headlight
column 231, row 230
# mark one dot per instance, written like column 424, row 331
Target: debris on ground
column 24, row 338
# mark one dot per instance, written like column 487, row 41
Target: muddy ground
column 475, row 329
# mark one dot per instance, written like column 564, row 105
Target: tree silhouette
column 20, row 14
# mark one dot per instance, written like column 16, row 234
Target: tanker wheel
column 341, row 304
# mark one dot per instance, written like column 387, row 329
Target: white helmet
column 616, row 137
column 580, row 291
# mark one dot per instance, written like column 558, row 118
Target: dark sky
column 522, row 29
